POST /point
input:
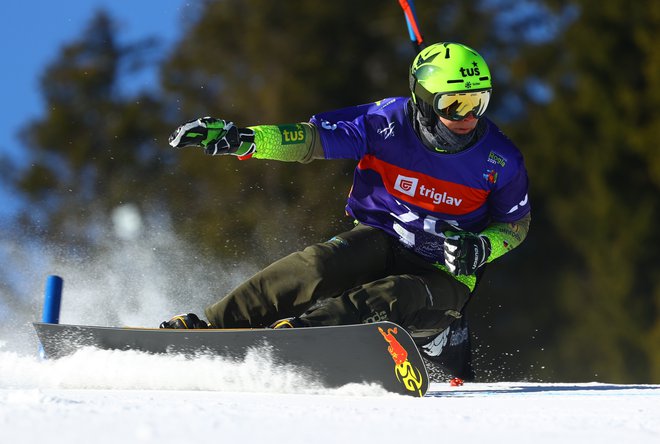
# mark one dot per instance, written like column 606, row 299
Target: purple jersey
column 413, row 193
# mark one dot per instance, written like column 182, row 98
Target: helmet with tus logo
column 450, row 80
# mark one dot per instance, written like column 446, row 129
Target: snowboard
column 381, row 352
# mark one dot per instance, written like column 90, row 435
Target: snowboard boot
column 188, row 321
column 293, row 322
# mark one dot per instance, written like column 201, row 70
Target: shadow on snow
column 547, row 389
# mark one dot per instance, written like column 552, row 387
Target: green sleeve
column 504, row 237
column 298, row 142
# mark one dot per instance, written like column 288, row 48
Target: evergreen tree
column 593, row 164
column 94, row 148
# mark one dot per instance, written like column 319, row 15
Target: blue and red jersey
column 413, row 193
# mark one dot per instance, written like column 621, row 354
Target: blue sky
column 34, row 31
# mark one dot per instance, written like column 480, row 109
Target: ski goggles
column 456, row 106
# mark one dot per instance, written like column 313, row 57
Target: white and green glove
column 216, row 136
column 465, row 252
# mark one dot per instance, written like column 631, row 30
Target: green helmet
column 450, row 80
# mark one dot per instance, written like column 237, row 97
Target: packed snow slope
column 109, row 397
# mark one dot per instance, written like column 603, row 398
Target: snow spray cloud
column 91, row 368
column 144, row 275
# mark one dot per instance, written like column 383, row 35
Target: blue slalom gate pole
column 52, row 304
column 52, row 300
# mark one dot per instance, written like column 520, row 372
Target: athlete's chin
column 462, row 131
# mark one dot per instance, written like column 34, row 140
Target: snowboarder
column 438, row 192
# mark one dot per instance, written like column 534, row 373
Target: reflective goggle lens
column 456, row 106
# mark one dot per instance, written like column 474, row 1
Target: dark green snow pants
column 360, row 276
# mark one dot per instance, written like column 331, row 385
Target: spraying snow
column 96, row 369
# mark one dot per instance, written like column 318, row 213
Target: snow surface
column 109, row 397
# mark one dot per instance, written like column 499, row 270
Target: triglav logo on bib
column 406, row 185
column 410, row 187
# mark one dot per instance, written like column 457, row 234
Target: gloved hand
column 465, row 252
column 216, row 136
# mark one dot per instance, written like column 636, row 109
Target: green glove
column 216, row 136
